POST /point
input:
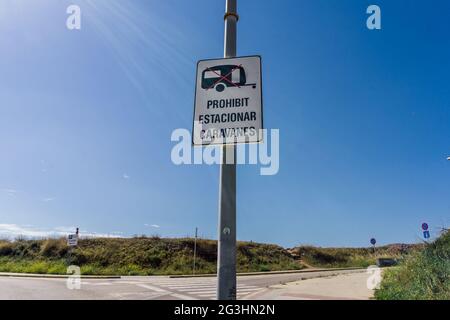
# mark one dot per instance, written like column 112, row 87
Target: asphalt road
column 350, row 286
column 149, row 288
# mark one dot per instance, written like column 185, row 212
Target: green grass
column 135, row 256
column 425, row 275
column 156, row 256
column 30, row 266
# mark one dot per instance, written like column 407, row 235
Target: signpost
column 228, row 111
column 226, row 246
column 195, row 250
column 228, row 101
column 426, row 233
column 373, row 241
column 72, row 240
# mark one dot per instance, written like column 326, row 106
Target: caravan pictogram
column 224, row 76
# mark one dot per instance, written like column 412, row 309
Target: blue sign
column 426, row 234
column 373, row 241
column 425, row 226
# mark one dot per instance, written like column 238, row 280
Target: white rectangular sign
column 228, row 101
column 72, row 240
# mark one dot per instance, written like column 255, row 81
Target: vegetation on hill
column 349, row 257
column 135, row 256
column 423, row 275
column 157, row 256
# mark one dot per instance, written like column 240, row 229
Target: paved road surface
column 145, row 288
column 342, row 287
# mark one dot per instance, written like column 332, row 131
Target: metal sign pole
column 226, row 256
column 195, row 249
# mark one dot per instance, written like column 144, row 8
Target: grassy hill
column 135, row 256
column 423, row 275
column 157, row 256
column 350, row 257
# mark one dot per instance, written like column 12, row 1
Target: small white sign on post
column 228, row 101
column 72, row 240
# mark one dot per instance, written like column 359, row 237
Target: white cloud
column 11, row 192
column 12, row 231
column 45, row 166
column 125, row 176
column 152, row 225
column 48, row 199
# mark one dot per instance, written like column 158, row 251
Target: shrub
column 424, row 275
column 6, row 249
column 136, row 256
column 53, row 248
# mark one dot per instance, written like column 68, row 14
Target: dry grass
column 136, row 256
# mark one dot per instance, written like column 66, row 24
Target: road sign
column 72, row 240
column 426, row 234
column 425, row 226
column 373, row 241
column 228, row 101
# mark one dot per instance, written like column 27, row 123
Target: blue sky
column 86, row 118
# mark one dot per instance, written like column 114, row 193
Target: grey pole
column 226, row 256
column 195, row 249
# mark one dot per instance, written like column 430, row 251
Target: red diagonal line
column 236, row 67
column 224, row 77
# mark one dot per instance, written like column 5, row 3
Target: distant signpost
column 373, row 241
column 72, row 240
column 426, row 233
